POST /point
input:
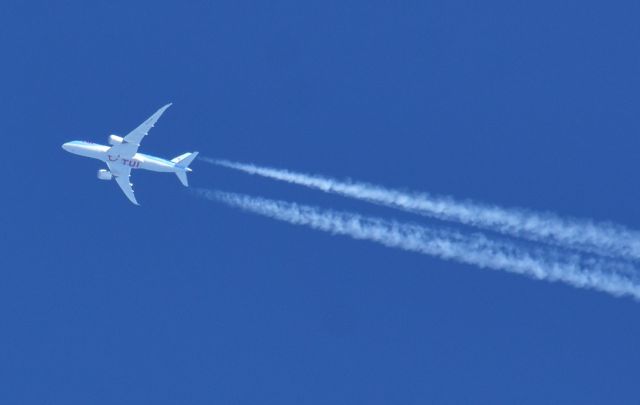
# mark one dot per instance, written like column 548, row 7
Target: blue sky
column 530, row 104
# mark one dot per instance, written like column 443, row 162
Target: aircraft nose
column 66, row 146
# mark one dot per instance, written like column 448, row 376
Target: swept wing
column 131, row 143
column 122, row 176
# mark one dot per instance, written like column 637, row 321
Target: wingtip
column 164, row 107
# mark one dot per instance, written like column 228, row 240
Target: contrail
column 615, row 278
column 585, row 235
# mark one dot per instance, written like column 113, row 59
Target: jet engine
column 115, row 140
column 104, row 174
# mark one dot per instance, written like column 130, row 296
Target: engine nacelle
column 104, row 174
column 115, row 140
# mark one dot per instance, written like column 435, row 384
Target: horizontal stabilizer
column 182, row 163
column 185, row 159
column 182, row 176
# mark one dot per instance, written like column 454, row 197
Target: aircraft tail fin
column 182, row 163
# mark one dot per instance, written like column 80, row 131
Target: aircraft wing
column 131, row 143
column 122, row 176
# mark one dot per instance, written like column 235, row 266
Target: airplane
column 122, row 156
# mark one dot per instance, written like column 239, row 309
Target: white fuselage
column 139, row 160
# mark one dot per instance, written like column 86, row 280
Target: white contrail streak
column 601, row 238
column 614, row 278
